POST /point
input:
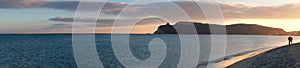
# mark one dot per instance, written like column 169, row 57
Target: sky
column 56, row 16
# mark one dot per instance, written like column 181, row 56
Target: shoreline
column 236, row 59
column 285, row 57
column 231, row 59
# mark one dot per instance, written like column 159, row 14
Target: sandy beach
column 282, row 57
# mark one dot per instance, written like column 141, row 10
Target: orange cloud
column 285, row 11
column 110, row 22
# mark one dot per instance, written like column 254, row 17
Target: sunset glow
column 26, row 17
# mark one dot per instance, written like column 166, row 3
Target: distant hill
column 293, row 33
column 253, row 29
column 201, row 28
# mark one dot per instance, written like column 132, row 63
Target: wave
column 228, row 57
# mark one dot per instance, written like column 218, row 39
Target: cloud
column 64, row 5
column 143, row 25
column 239, row 10
column 72, row 5
column 110, row 22
column 20, row 3
column 59, row 26
column 231, row 10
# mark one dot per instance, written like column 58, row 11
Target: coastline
column 234, row 60
column 283, row 57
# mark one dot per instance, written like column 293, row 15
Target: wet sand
column 282, row 57
column 242, row 57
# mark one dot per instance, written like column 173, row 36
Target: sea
column 56, row 50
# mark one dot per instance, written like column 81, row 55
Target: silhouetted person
column 290, row 40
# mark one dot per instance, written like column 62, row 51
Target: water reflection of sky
column 240, row 43
column 246, row 44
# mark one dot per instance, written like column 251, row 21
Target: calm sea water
column 55, row 51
